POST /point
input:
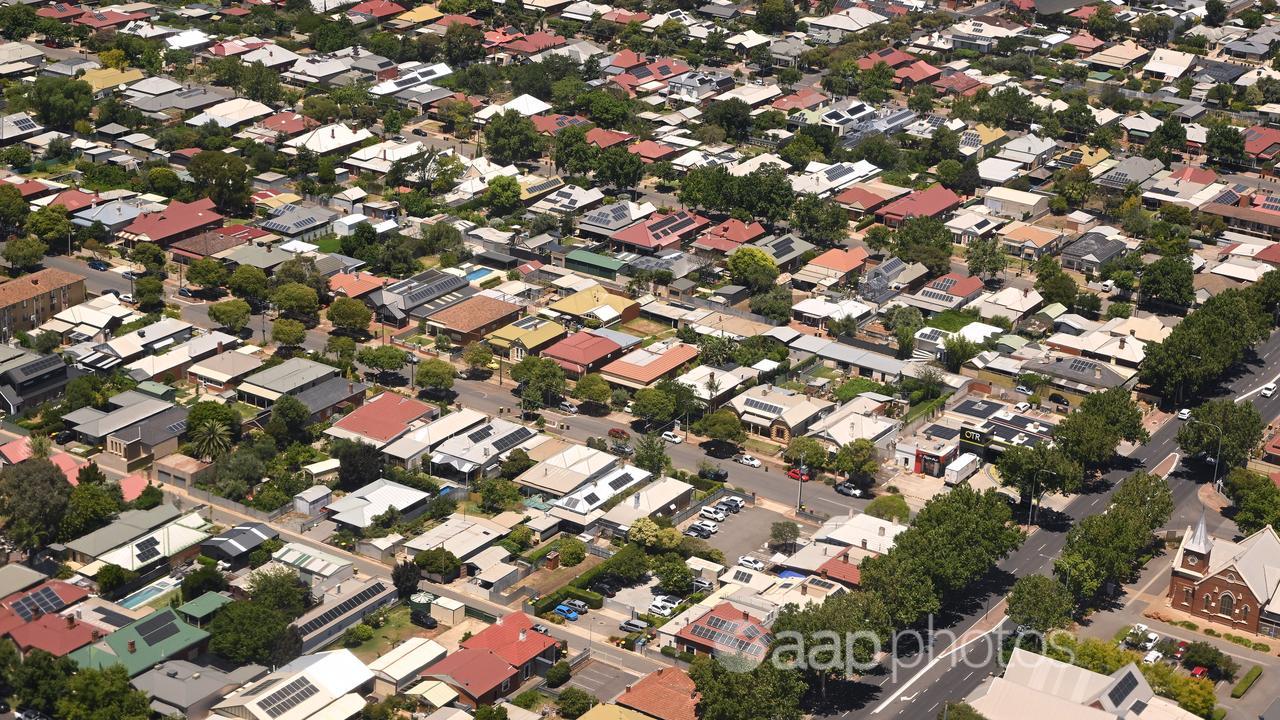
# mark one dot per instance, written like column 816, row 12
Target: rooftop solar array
column 512, row 439
column 720, row 623
column 41, row 602
column 158, row 629
column 480, row 434
column 939, row 296
column 726, row 640
column 342, row 608
column 288, row 697
column 1128, row 683
column 147, row 550
column 25, row 124
column 762, row 406
column 544, row 186
column 1081, row 366
column 671, row 225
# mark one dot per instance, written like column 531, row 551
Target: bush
column 558, row 674
column 1246, row 682
column 889, row 507
column 1211, row 632
column 573, row 703
column 593, row 599
column 572, row 552
column 357, row 635
column 529, row 699
column 1261, row 647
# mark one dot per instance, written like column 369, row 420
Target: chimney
column 71, row 621
column 880, row 531
column 746, row 615
column 35, row 280
column 1097, row 372
column 1122, row 342
column 219, row 347
column 133, row 647
column 522, row 635
column 804, row 589
column 351, row 387
column 333, row 133
column 1026, row 292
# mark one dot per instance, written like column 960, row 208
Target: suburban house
column 596, row 306
column 359, row 509
column 469, row 320
column 934, row 201
column 665, row 694
column 141, row 645
column 777, row 413
column 325, row 685
column 1090, row 251
column 28, row 380
column 413, row 448
column 836, row 266
column 32, row 300
column 526, row 336
column 583, row 352
column 381, row 420
column 725, row 630
column 178, row 221
column 946, row 293
column 417, row 297
column 496, row 660
column 643, row 367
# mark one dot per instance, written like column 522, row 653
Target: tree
column 1202, row 654
column 13, row 210
column 889, row 507
column 297, row 301
column 1169, row 280
column 653, row 405
column 1040, row 603
column 247, row 631
column 574, row 702
column 925, row 240
column 24, row 252
column 511, row 137
column 260, row 83
column 984, row 256
column 958, row 350
column 438, row 562
column 33, row 498
column 784, row 534
column 1054, row 285
column 776, row 16
column 435, row 374
column 489, row 712
column 231, row 314
column 573, row 154
column 60, row 102
column 753, row 268
column 406, row 576
column 219, row 413
column 497, row 494
column 819, row 221
column 733, row 116
column 806, row 452
column 248, row 283
column 765, row 693
column 959, row 711
column 1224, row 145
column 382, row 358
column 1167, row 142
column 559, row 674
column 618, row 168
column 1235, row 427
column 593, row 388
column 651, row 453
column 211, row 440
column 40, row 681
column 289, row 333
column 222, row 177
column 279, row 589
column 477, row 355
column 205, row 578
column 462, row 44
column 857, row 460
column 672, row 573
column 1039, row 469
column 349, row 315
column 1215, row 13
column 359, row 464
column 89, row 507
column 207, row 273
column 1104, row 24
column 289, row 422
column 722, row 425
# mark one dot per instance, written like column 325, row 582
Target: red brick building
column 1227, row 583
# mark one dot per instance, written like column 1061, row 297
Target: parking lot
column 602, row 680
column 638, row 597
column 746, row 533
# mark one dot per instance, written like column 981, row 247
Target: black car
column 698, row 531
column 603, row 587
column 423, row 619
column 99, row 265
column 1056, row 398
column 185, row 292
column 716, row 474
column 65, row 436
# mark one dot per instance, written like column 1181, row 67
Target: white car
column 708, row 525
column 661, row 610
column 750, row 563
column 1184, row 414
column 749, row 460
column 710, row 513
column 1268, row 390
column 672, row 438
column 127, row 298
column 1022, row 406
column 1153, row 657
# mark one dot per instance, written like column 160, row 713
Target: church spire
column 1199, row 541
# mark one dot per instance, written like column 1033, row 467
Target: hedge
column 546, row 603
column 1246, row 682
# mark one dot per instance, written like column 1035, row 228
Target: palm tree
column 211, row 439
column 40, row 446
column 713, row 389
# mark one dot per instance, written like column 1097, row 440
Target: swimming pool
column 154, row 590
column 477, row 274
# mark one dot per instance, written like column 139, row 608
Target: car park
column 633, row 626
column 1184, row 414
column 850, row 489
column 672, row 438
column 710, row 513
column 750, row 563
column 709, row 526
column 747, row 460
column 578, row 606
column 725, row 508
column 566, row 612
column 1268, row 390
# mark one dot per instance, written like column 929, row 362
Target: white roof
column 329, row 138
column 312, row 686
column 1170, row 63
column 360, row 507
column 229, row 113
column 407, row 659
column 859, row 530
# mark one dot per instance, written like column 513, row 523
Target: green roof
column 587, row 257
column 204, row 606
column 154, row 389
column 169, row 636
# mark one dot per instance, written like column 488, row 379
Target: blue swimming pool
column 476, row 274
column 154, row 590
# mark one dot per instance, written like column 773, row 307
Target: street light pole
column 1217, row 459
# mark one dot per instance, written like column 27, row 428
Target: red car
column 1199, row 672
column 1182, row 649
column 797, row 474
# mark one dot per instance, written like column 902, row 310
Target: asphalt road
column 955, row 677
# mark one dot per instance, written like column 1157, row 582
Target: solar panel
column 763, row 406
column 591, row 499
column 148, row 554
column 838, row 171
column 341, row 609
column 751, row 633
column 544, row 186
column 1081, row 366
column 480, row 434
column 742, row 576
column 40, row 602
column 619, row 482
column 288, row 697
column 1128, row 683
column 936, row 295
column 944, row 283
column 504, row 444
column 720, row 623
column 25, row 124
column 149, row 542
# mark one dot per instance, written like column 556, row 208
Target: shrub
column 529, row 699
column 558, row 674
column 1211, row 632
column 573, row 703
column 357, row 635
column 1246, row 682
column 1261, row 647
column 572, row 552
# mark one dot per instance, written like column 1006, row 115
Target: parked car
column 1023, row 389
column 578, row 606
column 716, row 473
column 672, row 438
column 1060, row 399
column 64, row 436
column 747, row 460
column 737, row 502
column 633, row 626
column 566, row 612
column 710, row 513
column 1153, row 657
column 620, row 448
column 1199, row 672
column 798, row 474
column 127, row 298
column 619, row 434
column 709, row 526
column 99, row 265
column 568, row 407
column 1182, row 649
column 697, row 531
column 1022, row 406
column 604, row 588
column 1184, row 414
column 185, row 292
column 704, row 586
column 130, row 274
column 540, row 628
column 663, row 605
column 850, row 489
column 725, row 508
column 751, row 563
column 1268, row 390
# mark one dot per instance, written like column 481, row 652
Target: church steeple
column 1199, row 542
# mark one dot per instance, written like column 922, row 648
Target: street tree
column 1169, row 281
column 890, row 506
column 297, row 301
column 1040, row 603
column 722, row 425
column 543, row 381
column 435, row 374
column 984, row 256
column 857, row 460
column 1145, row 497
column 651, row 453
column 926, row 240
column 618, row 168
column 51, row 225
column 653, row 405
column 593, row 388
column 1236, row 428
column 248, row 283
column 477, row 356
column 806, row 452
column 207, row 273
column 349, row 315
column 767, row 692
column 231, row 314
column 288, row 333
column 24, row 252
column 1039, row 469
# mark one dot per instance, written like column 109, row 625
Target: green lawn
column 397, row 630
column 330, row 244
column 850, row 389
column 951, row 320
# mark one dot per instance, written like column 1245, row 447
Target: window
column 1226, row 604
column 1208, row 602
column 1244, row 612
column 1192, row 559
column 1186, row 596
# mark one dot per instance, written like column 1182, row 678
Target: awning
column 458, row 464
column 433, row 692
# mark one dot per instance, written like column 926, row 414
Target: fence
column 232, row 506
column 711, row 499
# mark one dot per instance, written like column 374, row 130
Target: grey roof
column 1053, row 7
column 129, row 525
column 263, row 258
column 623, row 340
column 116, row 212
column 783, row 249
column 1091, row 373
column 399, row 298
column 16, row 577
column 329, row 393
column 293, row 220
column 290, row 374
column 1096, row 246
column 186, row 99
column 178, row 685
column 1130, row 170
column 241, row 538
column 122, row 418
column 156, row 429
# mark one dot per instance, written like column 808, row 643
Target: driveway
column 602, row 680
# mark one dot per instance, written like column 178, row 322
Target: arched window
column 1186, row 596
column 1226, row 604
column 1208, row 602
column 1244, row 612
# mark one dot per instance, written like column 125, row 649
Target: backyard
column 398, row 629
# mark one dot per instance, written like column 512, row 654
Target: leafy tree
column 439, row 562
column 925, row 240
column 280, row 590
column 1040, row 603
column 112, row 577
column 959, row 711
column 765, row 693
column 574, row 702
column 857, row 460
column 489, row 712
column 558, row 674
column 406, row 576
column 24, row 252
column 462, row 44
column 776, row 16
column 819, row 221
column 784, row 534
column 593, row 388
column 543, row 381
column 721, row 425
column 1039, row 469
column 807, row 452
column 573, row 154
column 1167, row 142
column 50, row 224
column 654, row 405
column 1219, row 664
column 382, row 358
column 41, row 681
column 753, row 268
column 984, row 256
column 205, row 578
column 359, row 464
column 218, row 413
column 13, row 210
column 1054, row 285
column 733, row 116
column 1168, row 280
column 651, row 453
column 34, row 496
column 511, row 137
column 231, row 314
column 618, row 168
column 497, row 494
column 60, row 102
column 477, row 355
column 1215, row 13
column 222, row 177
column 889, row 507
column 149, row 292
column 1238, row 427
column 289, row 333
column 672, row 573
column 89, row 507
column 207, row 273
column 289, row 422
column 1225, row 145
column 246, row 631
column 959, row 350
column 350, row 315
column 435, row 374
column 248, row 283
column 297, row 301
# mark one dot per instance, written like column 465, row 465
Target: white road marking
column 1259, row 388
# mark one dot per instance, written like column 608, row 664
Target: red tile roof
column 512, row 638
column 929, row 202
column 1269, row 255
column 734, row 231
column 74, row 200
column 1262, row 142
column 659, row 70
column 32, row 189
column 841, row 260
column 1195, row 174
column 917, row 72
column 956, row 284
column 627, row 59
column 841, row 570
column 666, row 361
column 61, row 11
column 55, row 634
column 107, row 18
column 661, row 231
column 287, row 123
column 1085, row 12
column 727, row 620
column 448, row 20
column 893, row 57
column 580, row 351
column 666, row 694
column 356, row 284
column 377, row 8
column 235, row 11
column 602, row 138
column 625, row 17
column 651, row 150
column 37, row 283
column 957, row 83
column 176, row 219
column 475, row 672
column 534, row 42
column 217, row 240
column 384, row 418
column 553, row 123
column 801, row 99
column 474, row 313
